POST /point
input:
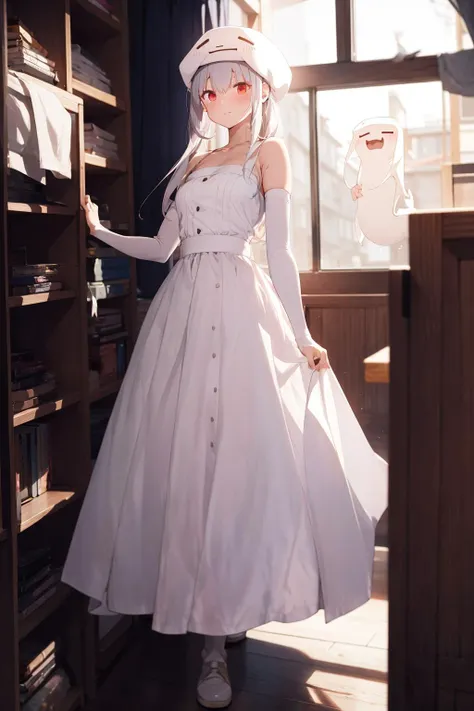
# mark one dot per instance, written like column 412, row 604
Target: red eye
column 209, row 95
column 242, row 88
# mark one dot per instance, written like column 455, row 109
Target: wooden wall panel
column 352, row 327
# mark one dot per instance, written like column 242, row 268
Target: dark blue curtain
column 161, row 33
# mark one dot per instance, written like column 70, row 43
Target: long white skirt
column 234, row 486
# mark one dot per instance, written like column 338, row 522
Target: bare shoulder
column 275, row 165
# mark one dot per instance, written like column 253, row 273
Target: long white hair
column 264, row 116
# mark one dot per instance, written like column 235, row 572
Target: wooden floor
column 293, row 667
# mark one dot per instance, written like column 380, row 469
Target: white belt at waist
column 215, row 243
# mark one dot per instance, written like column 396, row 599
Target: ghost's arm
column 404, row 199
column 154, row 249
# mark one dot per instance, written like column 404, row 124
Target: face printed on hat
column 229, row 107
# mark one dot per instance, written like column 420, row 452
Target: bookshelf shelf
column 28, row 624
column 99, row 164
column 106, row 391
column 39, row 209
column 95, row 98
column 46, row 408
column 89, row 17
column 41, row 506
column 34, row 299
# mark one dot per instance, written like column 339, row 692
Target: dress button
column 212, row 419
column 215, row 390
column 217, row 286
column 213, row 355
column 212, row 444
column 213, row 328
column 198, row 230
column 204, row 180
column 198, row 208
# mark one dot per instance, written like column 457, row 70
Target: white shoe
column 236, row 638
column 214, row 690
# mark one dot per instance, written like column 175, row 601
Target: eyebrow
column 387, row 131
column 244, row 39
column 202, row 44
column 364, row 134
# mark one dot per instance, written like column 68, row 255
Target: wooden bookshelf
column 35, row 509
column 32, row 299
column 58, row 328
column 40, row 209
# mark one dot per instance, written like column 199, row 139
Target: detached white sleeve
column 281, row 264
column 154, row 249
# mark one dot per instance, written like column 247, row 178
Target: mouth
column 375, row 144
column 224, row 49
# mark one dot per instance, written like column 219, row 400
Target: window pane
column 294, row 113
column 304, row 30
column 418, row 109
column 382, row 28
column 237, row 16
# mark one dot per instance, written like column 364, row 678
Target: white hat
column 239, row 44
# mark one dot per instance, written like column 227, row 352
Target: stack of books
column 38, row 660
column 26, row 54
column 50, row 696
column 38, row 579
column 32, row 383
column 108, row 272
column 99, row 142
column 107, row 346
column 86, row 69
column 34, row 279
column 21, row 188
column 32, row 457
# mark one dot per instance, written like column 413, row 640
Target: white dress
column 234, row 486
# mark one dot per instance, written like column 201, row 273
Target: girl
column 234, row 485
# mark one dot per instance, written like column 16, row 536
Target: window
column 304, row 30
column 382, row 28
column 236, row 15
column 418, row 108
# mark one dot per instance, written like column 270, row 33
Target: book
column 108, row 289
column 31, row 561
column 30, row 66
column 25, row 405
column 40, row 601
column 39, row 463
column 22, row 52
column 92, row 128
column 33, row 652
column 28, row 688
column 37, row 288
column 37, row 391
column 50, row 696
column 28, row 279
column 35, row 579
column 16, row 40
column 27, row 599
column 34, row 270
column 108, row 269
column 17, row 28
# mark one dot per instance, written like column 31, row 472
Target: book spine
column 40, row 601
column 33, row 665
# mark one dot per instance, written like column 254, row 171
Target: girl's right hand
column 92, row 213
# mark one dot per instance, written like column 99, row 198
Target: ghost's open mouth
column 376, row 143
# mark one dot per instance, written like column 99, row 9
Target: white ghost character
column 383, row 202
